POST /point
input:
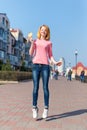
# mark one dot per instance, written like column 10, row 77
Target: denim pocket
column 34, row 66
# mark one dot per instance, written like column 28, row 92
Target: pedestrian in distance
column 70, row 74
column 41, row 50
column 56, row 74
column 82, row 76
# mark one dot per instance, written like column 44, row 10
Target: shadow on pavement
column 67, row 114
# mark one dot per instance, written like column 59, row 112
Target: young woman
column 41, row 50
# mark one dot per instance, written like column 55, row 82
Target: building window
column 6, row 23
column 1, row 32
column 0, row 44
column 3, row 21
column 1, row 54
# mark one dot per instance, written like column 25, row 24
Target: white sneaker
column 35, row 112
column 45, row 113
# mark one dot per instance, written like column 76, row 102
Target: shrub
column 15, row 75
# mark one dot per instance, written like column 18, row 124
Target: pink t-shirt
column 42, row 51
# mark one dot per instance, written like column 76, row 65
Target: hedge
column 15, row 75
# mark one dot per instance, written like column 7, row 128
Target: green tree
column 23, row 68
column 7, row 66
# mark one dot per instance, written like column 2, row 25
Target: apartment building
column 18, row 44
column 4, row 36
column 21, row 48
column 11, row 52
column 13, row 46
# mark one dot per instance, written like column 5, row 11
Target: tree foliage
column 6, row 67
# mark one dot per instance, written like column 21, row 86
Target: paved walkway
column 68, row 106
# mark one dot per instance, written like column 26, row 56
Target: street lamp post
column 76, row 54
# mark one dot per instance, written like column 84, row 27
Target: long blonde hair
column 48, row 32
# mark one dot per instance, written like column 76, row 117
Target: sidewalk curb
column 5, row 82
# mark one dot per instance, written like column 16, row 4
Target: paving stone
column 67, row 111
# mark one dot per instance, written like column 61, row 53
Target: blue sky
column 67, row 20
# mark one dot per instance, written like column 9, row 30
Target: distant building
column 78, row 68
column 21, row 48
column 17, row 33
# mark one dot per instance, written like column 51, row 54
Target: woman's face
column 43, row 31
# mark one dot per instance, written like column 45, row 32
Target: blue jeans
column 38, row 71
column 82, row 78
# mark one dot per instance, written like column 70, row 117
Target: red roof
column 79, row 64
